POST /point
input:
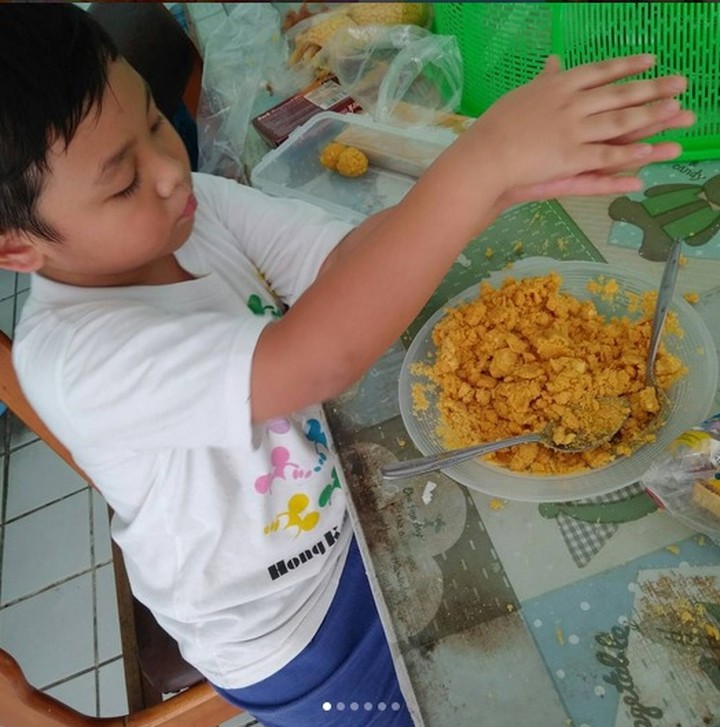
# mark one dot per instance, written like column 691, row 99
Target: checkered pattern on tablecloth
column 584, row 540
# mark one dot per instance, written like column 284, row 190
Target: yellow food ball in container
column 352, row 163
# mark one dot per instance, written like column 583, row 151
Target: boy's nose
column 170, row 175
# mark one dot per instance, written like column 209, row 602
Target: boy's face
column 120, row 194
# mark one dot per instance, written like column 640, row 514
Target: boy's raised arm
column 565, row 132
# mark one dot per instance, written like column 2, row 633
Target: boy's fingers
column 681, row 120
column 613, row 158
column 633, row 93
column 592, row 75
column 589, row 183
column 662, row 151
column 552, row 65
column 613, row 125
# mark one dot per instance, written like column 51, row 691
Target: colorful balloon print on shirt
column 282, row 468
column 297, row 504
column 326, row 494
column 259, row 308
column 278, row 426
column 293, row 516
column 317, row 436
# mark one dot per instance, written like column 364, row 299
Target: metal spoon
column 664, row 298
column 616, row 407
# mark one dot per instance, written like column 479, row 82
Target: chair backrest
column 21, row 705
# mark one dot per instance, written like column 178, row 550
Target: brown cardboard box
column 324, row 94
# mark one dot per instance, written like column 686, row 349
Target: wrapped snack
column 686, row 478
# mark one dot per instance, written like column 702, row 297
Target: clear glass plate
column 690, row 397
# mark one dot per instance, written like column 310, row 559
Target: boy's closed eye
column 130, row 189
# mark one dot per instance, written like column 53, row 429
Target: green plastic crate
column 504, row 45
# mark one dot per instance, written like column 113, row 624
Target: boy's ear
column 19, row 253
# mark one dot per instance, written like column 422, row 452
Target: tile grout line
column 37, row 509
column 79, row 673
column 49, row 587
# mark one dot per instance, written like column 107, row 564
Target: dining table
column 509, row 613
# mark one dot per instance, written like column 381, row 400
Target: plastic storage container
column 397, row 157
column 504, row 45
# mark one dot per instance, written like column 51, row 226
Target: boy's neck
column 165, row 271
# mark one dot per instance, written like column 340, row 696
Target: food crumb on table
column 427, row 495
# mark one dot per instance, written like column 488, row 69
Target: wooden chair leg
column 140, row 693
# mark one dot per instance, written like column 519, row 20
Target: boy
column 152, row 345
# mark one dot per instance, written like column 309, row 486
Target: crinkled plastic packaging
column 691, row 462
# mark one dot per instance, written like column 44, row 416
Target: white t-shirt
column 234, row 536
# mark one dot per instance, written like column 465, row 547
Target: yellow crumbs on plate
column 525, row 354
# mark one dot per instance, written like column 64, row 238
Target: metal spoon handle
column 421, row 465
column 665, row 293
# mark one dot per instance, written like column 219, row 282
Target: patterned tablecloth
column 595, row 613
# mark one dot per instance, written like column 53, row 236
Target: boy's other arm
column 568, row 132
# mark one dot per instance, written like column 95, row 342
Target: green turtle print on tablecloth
column 681, row 200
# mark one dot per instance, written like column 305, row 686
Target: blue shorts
column 345, row 676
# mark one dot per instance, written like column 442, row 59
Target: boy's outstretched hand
column 573, row 132
column 565, row 132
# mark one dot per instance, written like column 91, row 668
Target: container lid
column 397, row 156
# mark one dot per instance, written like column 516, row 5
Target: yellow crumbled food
column 497, row 504
column 489, row 252
column 419, row 395
column 525, row 354
column 352, row 163
column 331, row 153
column 691, row 297
column 606, row 289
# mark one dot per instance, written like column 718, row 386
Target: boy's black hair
column 53, row 69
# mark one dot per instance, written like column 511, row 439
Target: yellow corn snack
column 308, row 42
column 389, row 13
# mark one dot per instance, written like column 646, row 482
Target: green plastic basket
column 504, row 45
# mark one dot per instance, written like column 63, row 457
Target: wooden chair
column 153, row 665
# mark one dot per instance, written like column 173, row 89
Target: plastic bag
column 245, row 72
column 401, row 74
column 686, row 477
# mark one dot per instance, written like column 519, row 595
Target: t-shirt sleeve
column 286, row 239
column 160, row 380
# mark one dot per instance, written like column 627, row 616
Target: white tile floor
column 58, row 615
